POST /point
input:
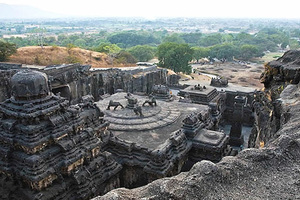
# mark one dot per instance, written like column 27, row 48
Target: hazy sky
column 169, row 8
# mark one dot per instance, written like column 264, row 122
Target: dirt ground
column 54, row 55
column 245, row 75
column 240, row 74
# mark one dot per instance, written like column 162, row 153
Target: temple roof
column 155, row 127
column 28, row 84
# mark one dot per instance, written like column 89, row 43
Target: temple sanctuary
column 49, row 149
column 72, row 132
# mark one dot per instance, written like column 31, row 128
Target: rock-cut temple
column 57, row 143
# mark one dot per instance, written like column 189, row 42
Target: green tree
column 226, row 50
column 108, row 48
column 284, row 44
column 174, row 38
column 294, row 33
column 227, row 37
column 191, row 38
column 244, row 38
column 175, row 56
column 6, row 49
column 124, row 57
column 129, row 39
column 294, row 44
column 264, row 43
column 142, row 52
column 80, row 43
column 200, row 52
column 248, row 51
column 210, row 40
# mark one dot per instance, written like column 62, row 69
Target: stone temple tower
column 48, row 149
column 236, row 137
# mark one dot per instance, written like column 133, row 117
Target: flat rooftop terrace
column 157, row 125
column 204, row 92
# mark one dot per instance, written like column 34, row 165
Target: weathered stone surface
column 271, row 172
column 163, row 141
column 200, row 94
column 49, row 149
column 284, row 69
column 73, row 81
column 270, row 114
column 219, row 82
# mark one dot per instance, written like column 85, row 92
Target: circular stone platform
column 126, row 120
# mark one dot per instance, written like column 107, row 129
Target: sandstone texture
column 284, row 69
column 271, row 172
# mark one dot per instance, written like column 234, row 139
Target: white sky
column 169, row 8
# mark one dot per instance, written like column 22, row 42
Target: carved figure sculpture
column 132, row 101
column 138, row 110
column 115, row 104
column 151, row 101
column 198, row 87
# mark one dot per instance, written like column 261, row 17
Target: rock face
column 170, row 137
column 219, row 82
column 271, row 172
column 74, row 80
column 48, row 149
column 6, row 72
column 284, row 69
column 270, row 114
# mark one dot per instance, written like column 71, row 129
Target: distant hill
column 24, row 12
column 35, row 55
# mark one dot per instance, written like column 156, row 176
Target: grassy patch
column 267, row 57
column 271, row 56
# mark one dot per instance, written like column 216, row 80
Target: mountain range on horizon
column 25, row 12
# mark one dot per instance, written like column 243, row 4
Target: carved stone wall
column 143, row 165
column 271, row 172
column 229, row 103
column 74, row 81
column 48, row 149
column 269, row 114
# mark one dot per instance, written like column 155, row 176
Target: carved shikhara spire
column 48, row 149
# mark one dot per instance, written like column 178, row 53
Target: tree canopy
column 129, row 39
column 226, row 50
column 108, row 48
column 248, row 51
column 175, row 56
column 200, row 52
column 210, row 40
column 6, row 49
column 174, row 38
column 191, row 38
column 142, row 53
column 142, row 44
column 124, row 57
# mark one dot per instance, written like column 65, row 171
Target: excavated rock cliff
column 272, row 172
column 284, row 69
column 281, row 72
column 270, row 113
